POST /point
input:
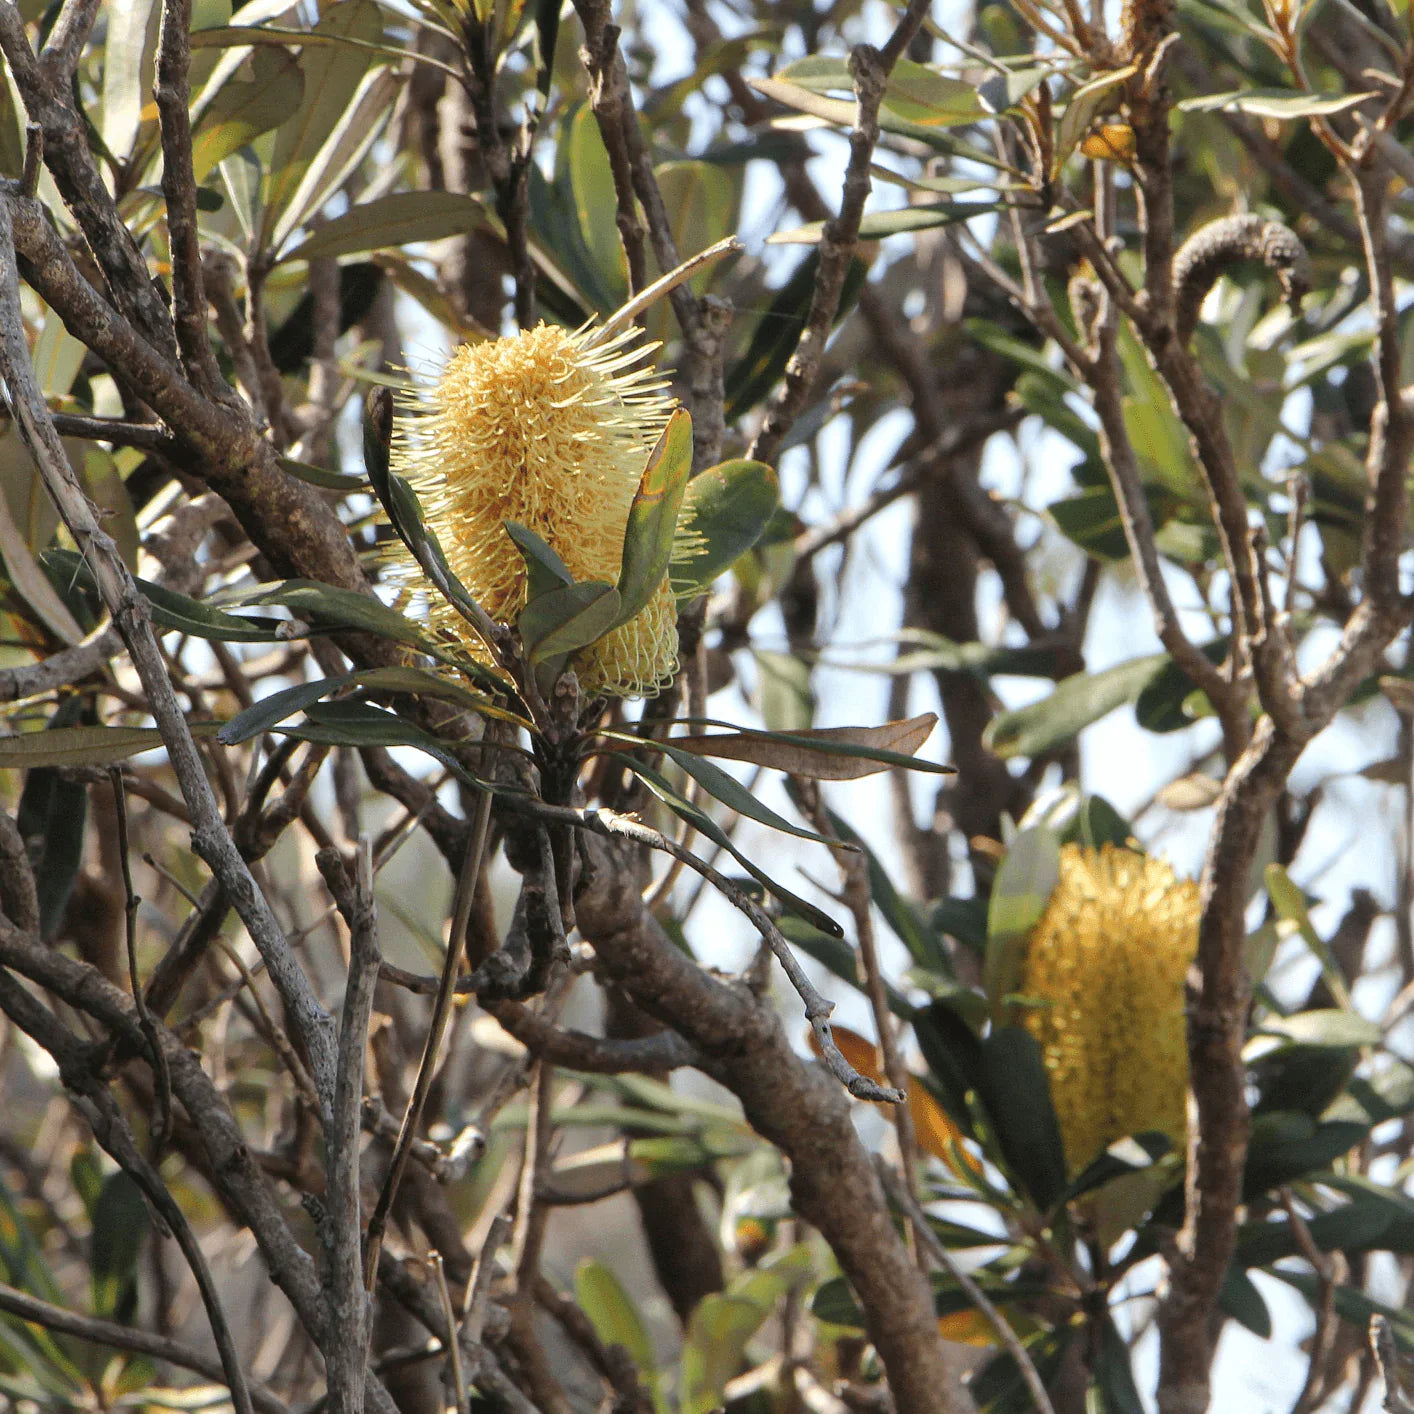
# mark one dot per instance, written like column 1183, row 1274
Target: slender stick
column 441, row 1010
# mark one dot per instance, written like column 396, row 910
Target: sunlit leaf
column 653, row 516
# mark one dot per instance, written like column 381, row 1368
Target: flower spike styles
column 549, row 429
column 1105, row 970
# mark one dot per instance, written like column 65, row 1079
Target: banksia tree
column 299, row 816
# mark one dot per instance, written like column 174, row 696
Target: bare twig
column 349, row 1307
column 179, row 191
column 127, row 1338
column 162, row 1126
column 441, row 1009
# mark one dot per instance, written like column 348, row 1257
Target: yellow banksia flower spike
column 549, row 428
column 1104, row 976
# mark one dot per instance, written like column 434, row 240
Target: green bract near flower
column 1105, row 968
column 550, row 429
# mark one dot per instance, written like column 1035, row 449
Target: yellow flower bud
column 1104, row 972
column 550, row 429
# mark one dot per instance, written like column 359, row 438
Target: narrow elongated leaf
column 179, row 612
column 1325, row 1027
column 684, row 809
column 242, row 109
column 331, row 607
column 400, row 503
column 1023, row 886
column 332, row 74
column 393, row 220
column 653, row 516
column 730, row 792
column 1076, row 702
column 724, row 513
column 1288, row 901
column 1282, row 103
column 612, row 1312
column 572, row 616
column 824, row 753
column 272, row 710
column 358, row 724
column 19, row 565
column 85, row 746
column 52, row 817
column 319, row 476
column 1017, row 1095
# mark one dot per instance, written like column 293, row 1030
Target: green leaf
column 128, row 63
column 1327, row 1028
column 321, row 477
column 400, row 502
column 777, row 332
column 1114, row 1372
column 591, row 181
column 729, row 791
column 1091, row 520
column 917, row 94
column 786, row 701
column 1076, row 702
column 1281, row 103
column 952, row 1052
column 1171, row 702
column 901, row 914
column 544, row 569
column 684, row 809
column 359, row 724
column 1287, row 900
column 570, row 617
column 611, row 1311
column 120, row 1227
column 53, row 815
column 1241, row 1300
column 333, row 74
column 329, row 607
column 85, row 746
column 1020, row 892
column 653, row 517
column 1014, row 1088
column 724, row 513
column 241, row 110
column 394, row 220
column 1287, row 1146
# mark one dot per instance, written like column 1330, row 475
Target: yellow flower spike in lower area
column 549, row 428
column 1104, row 976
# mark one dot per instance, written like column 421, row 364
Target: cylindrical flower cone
column 1104, row 974
column 547, row 428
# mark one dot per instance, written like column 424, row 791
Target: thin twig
column 441, row 1010
column 162, row 1126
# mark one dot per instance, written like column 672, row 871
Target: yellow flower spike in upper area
column 551, row 429
column 1105, row 969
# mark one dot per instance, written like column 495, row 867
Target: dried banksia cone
column 550, row 429
column 1105, row 969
